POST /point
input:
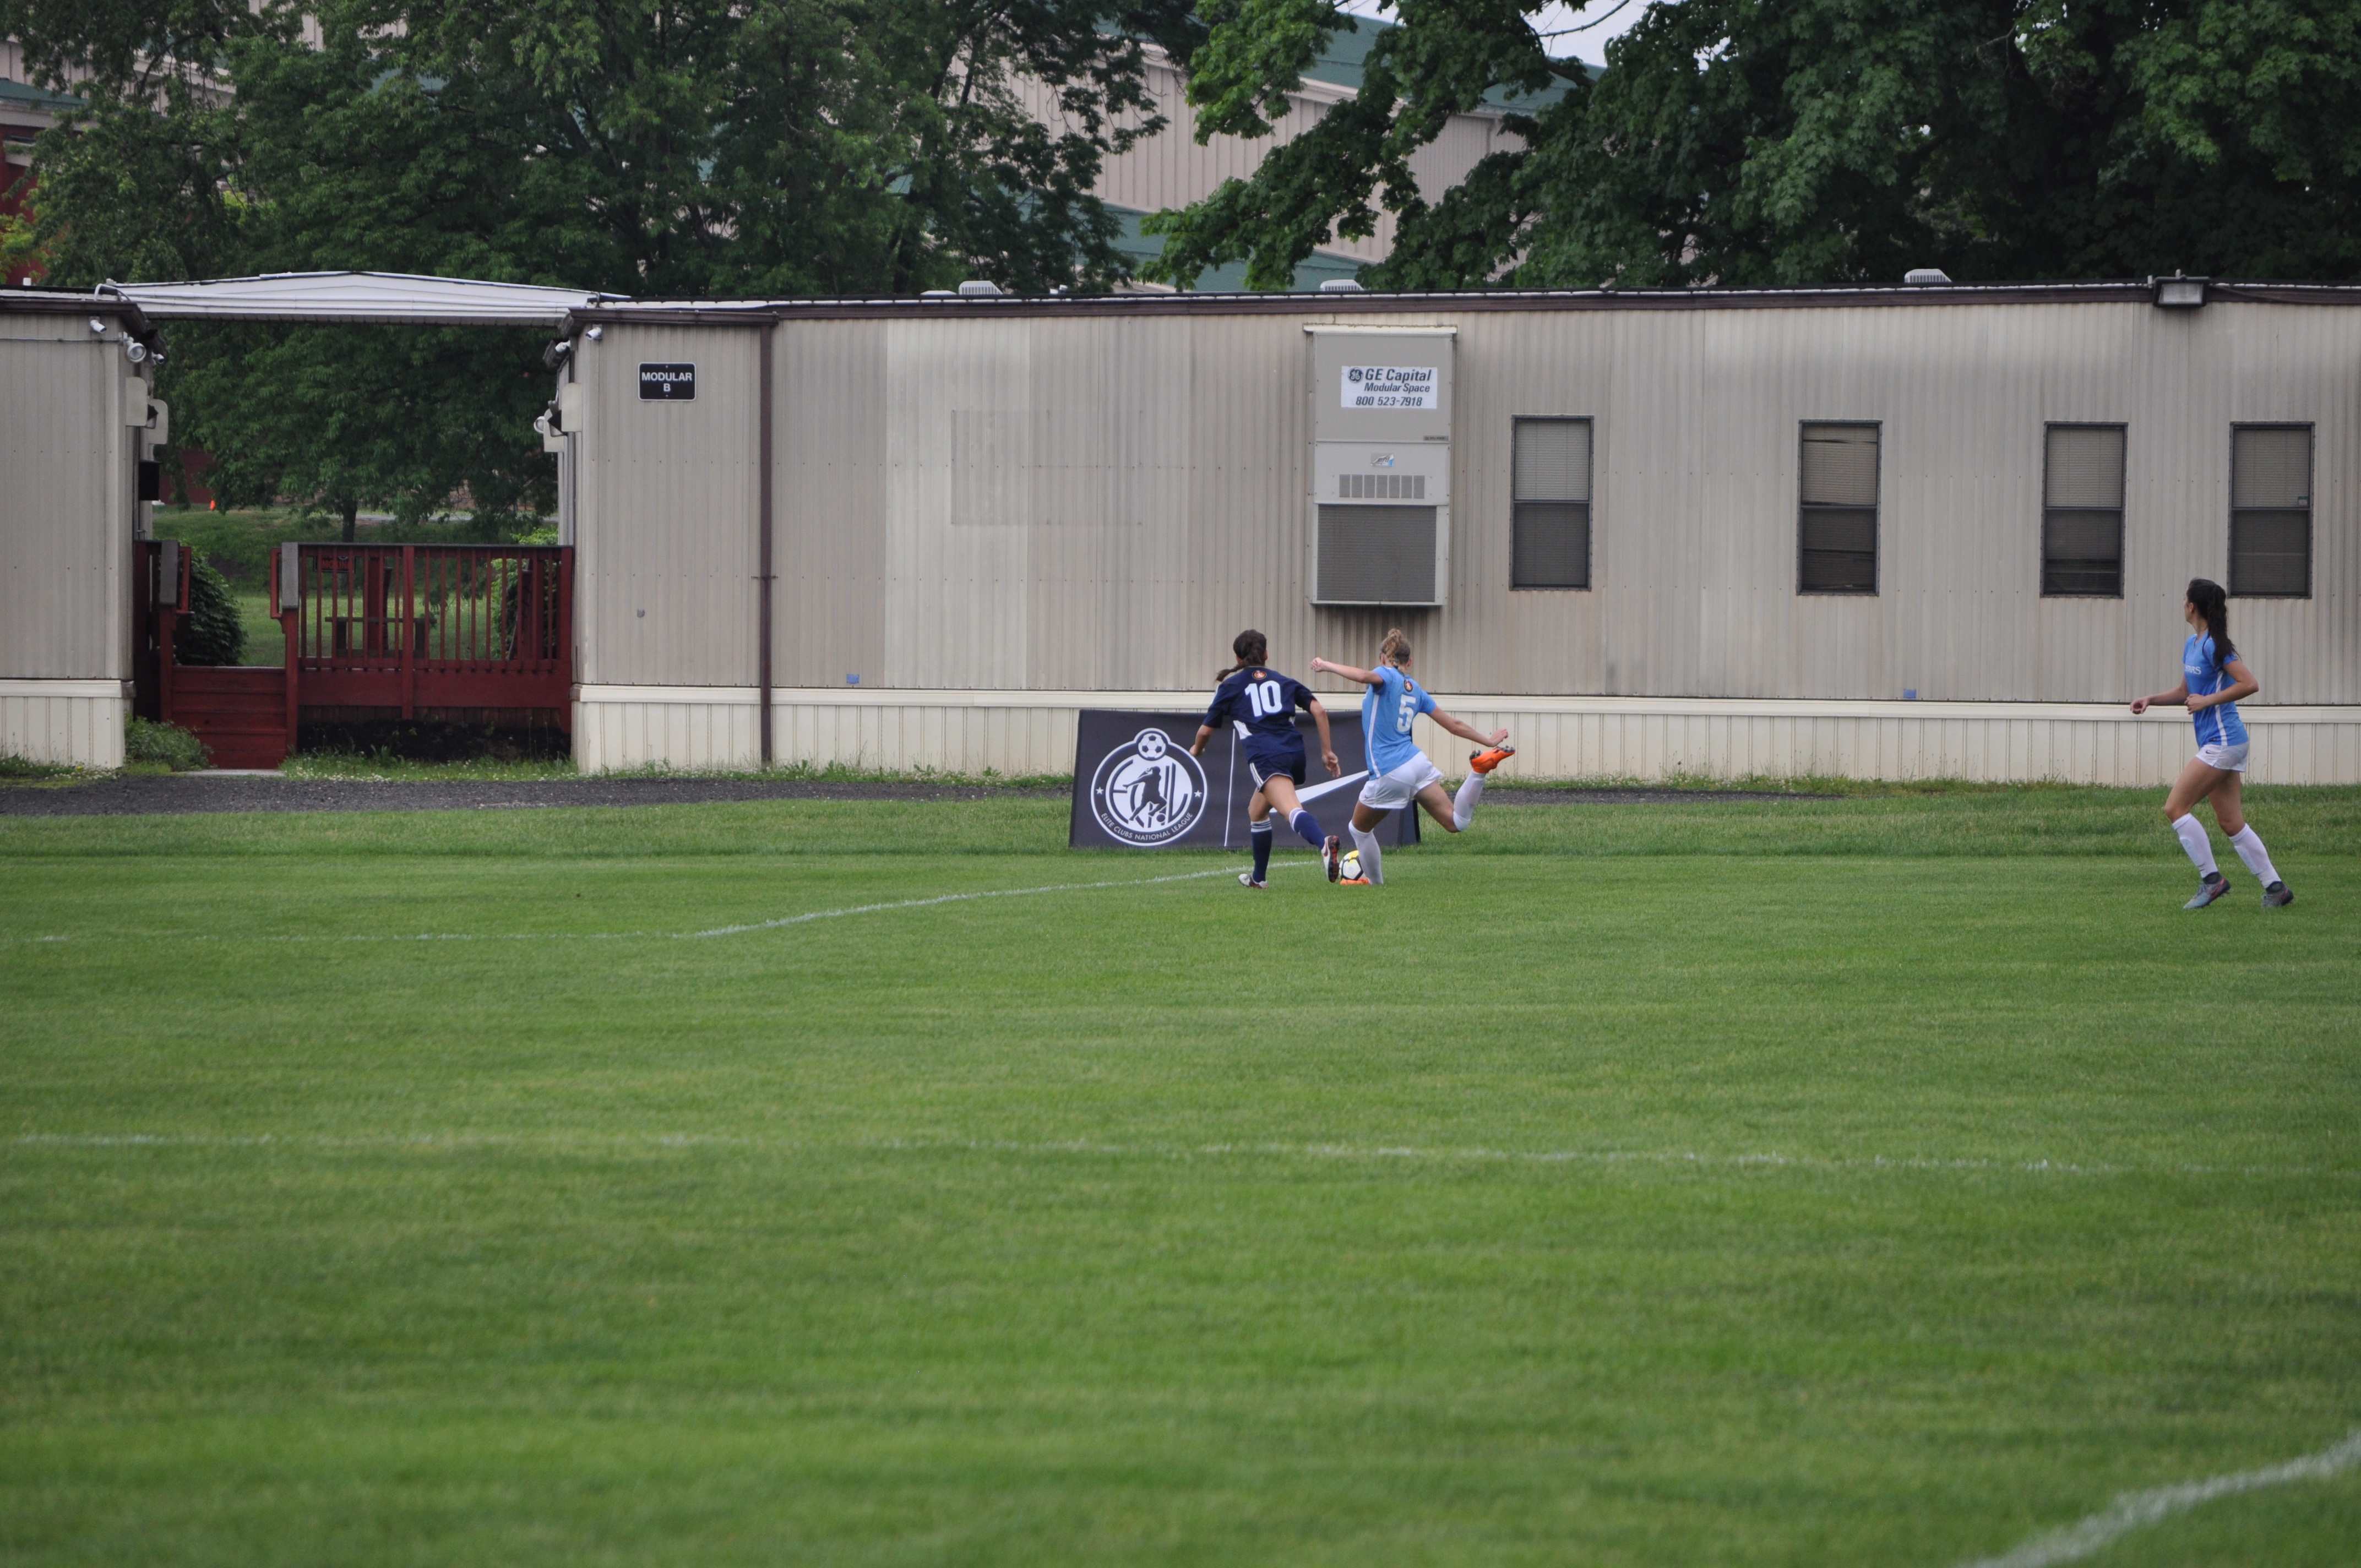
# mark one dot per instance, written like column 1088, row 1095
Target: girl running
column 1399, row 771
column 2213, row 679
column 1262, row 703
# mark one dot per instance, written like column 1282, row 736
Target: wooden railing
column 438, row 626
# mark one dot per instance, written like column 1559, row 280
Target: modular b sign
column 667, row 383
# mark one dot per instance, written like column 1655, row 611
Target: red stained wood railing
column 412, row 626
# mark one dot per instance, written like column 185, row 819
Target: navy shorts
column 1266, row 762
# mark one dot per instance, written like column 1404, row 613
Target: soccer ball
column 1350, row 864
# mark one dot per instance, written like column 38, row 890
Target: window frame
column 2310, row 505
column 1590, row 508
column 1876, row 512
column 2123, row 506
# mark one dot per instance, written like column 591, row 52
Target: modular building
column 1894, row 533
column 76, row 421
column 1881, row 532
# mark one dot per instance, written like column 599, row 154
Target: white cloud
column 1581, row 29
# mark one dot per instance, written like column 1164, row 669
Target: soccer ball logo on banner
column 1149, row 792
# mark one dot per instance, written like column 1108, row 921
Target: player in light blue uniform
column 1399, row 771
column 2212, row 680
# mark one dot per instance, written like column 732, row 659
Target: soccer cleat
column 2277, row 896
column 1354, row 881
column 1246, row 878
column 2209, row 890
column 1484, row 761
column 1330, row 859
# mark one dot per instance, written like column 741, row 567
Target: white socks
column 2200, row 847
column 1372, row 864
column 2250, row 850
column 1463, row 804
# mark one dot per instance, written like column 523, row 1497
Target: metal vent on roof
column 1923, row 276
column 978, row 289
column 1341, row 286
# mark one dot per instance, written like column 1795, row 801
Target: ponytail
column 1396, row 647
column 1252, row 649
column 2213, row 608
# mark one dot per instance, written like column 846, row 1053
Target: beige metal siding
column 1173, row 168
column 665, row 533
column 65, row 502
column 1099, row 502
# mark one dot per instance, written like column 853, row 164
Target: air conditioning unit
column 1380, row 464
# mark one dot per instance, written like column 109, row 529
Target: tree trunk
column 352, row 516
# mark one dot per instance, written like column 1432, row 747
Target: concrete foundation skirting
column 64, row 721
column 1556, row 737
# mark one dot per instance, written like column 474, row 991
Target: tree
column 651, row 148
column 1807, row 141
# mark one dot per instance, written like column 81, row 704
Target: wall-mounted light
column 135, row 351
column 2179, row 293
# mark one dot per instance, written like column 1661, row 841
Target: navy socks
column 1260, row 833
column 1310, row 830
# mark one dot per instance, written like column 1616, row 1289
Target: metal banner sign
column 667, row 383
column 1391, row 387
column 1136, row 787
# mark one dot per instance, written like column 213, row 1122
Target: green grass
column 1877, row 1179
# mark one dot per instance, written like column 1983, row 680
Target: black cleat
column 2277, row 896
column 1330, row 859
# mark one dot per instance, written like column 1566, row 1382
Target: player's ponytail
column 1252, row 649
column 1395, row 650
column 2213, row 607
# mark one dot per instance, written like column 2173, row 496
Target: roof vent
column 2179, row 293
column 978, row 289
column 1341, row 286
column 940, row 294
column 1920, row 277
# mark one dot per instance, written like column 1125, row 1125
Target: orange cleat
column 1484, row 761
column 1354, row 882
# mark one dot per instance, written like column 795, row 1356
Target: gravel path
column 183, row 792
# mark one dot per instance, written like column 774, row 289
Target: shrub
column 145, row 740
column 211, row 633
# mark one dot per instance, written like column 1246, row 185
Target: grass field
column 1874, row 1180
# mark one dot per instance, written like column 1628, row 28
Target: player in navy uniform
column 1261, row 703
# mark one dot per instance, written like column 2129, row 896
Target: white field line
column 2137, row 1511
column 651, row 936
column 1087, row 1149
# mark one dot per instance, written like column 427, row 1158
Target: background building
column 1882, row 532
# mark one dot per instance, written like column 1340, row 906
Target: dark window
column 1837, row 536
column 1551, row 543
column 2270, row 510
column 2082, row 512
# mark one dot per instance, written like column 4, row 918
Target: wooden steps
column 239, row 712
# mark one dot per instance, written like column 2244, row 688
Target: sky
column 1583, row 27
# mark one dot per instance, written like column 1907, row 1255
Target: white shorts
column 2229, row 759
column 1390, row 792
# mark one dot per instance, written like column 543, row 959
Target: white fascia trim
column 1669, row 707
column 64, row 688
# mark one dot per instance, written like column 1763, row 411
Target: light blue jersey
column 2219, row 725
column 1388, row 710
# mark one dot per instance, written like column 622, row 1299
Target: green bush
column 212, row 632
column 145, row 740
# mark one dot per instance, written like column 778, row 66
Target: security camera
column 595, row 334
column 556, row 353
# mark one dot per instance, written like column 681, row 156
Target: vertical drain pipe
column 763, row 549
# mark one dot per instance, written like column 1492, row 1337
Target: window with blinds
column 1836, row 535
column 2082, row 512
column 2270, row 510
column 1550, row 547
